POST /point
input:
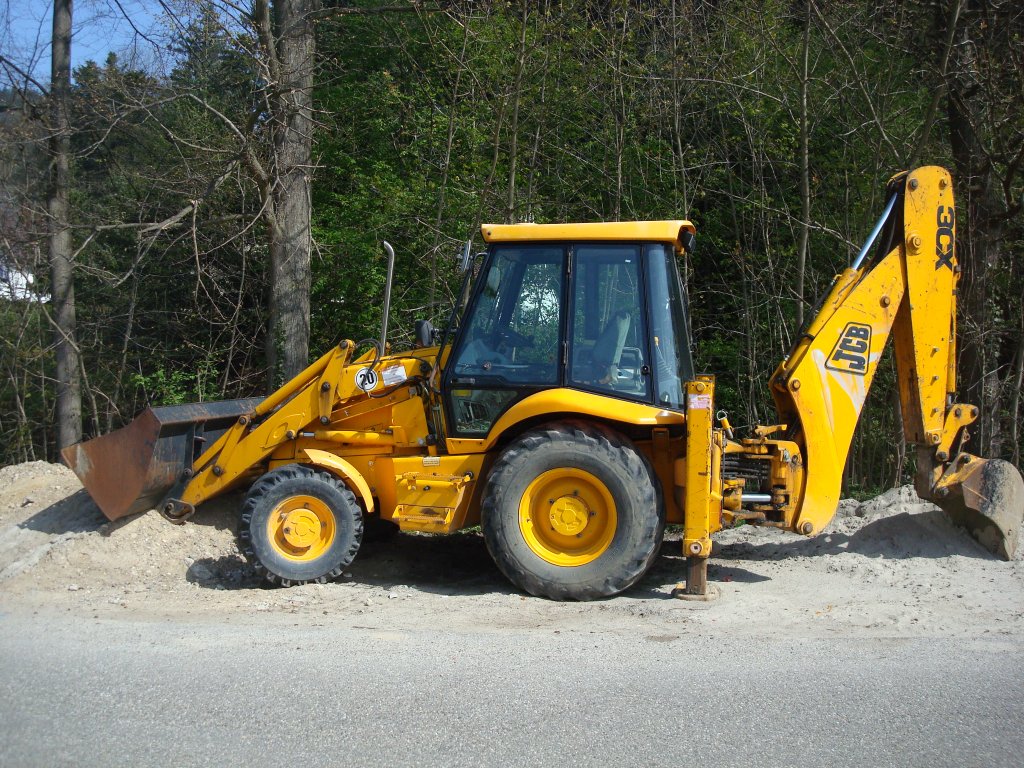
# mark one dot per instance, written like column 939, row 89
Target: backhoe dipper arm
column 909, row 293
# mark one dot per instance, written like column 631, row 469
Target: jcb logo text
column 850, row 353
column 945, row 219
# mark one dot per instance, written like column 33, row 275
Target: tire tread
column 609, row 447
column 257, row 493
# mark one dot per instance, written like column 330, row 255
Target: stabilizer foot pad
column 712, row 594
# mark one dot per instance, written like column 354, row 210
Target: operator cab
column 594, row 307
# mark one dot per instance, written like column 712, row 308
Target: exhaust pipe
column 387, row 298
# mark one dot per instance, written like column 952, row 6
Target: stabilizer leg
column 696, row 586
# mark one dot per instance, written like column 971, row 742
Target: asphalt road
column 264, row 692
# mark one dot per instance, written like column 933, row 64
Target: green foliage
column 23, row 354
column 433, row 123
column 165, row 388
column 177, row 386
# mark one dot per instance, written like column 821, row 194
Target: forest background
column 157, row 199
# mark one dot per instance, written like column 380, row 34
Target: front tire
column 300, row 525
column 573, row 512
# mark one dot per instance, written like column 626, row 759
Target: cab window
column 511, row 342
column 670, row 332
column 608, row 330
column 513, row 333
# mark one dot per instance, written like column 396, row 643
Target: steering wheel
column 511, row 338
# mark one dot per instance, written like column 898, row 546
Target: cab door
column 608, row 339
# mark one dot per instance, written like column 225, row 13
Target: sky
column 98, row 27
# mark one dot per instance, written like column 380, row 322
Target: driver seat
column 607, row 350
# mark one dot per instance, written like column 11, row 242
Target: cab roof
column 633, row 231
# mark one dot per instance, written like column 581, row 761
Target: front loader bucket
column 133, row 468
column 987, row 498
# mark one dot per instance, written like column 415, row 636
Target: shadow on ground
column 73, row 514
column 459, row 564
column 927, row 534
column 78, row 513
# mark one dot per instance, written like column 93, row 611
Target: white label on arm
column 394, row 374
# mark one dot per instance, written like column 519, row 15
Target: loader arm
column 154, row 460
column 908, row 291
column 309, row 397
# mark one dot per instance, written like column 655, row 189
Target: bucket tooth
column 133, row 468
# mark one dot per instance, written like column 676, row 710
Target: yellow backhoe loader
column 560, row 411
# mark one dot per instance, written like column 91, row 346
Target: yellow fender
column 569, row 403
column 344, row 470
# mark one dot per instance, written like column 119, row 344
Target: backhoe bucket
column 986, row 496
column 133, row 468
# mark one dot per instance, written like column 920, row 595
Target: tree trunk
column 805, row 174
column 289, row 228
column 979, row 230
column 69, row 391
column 517, row 94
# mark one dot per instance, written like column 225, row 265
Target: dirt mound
column 891, row 565
column 50, row 526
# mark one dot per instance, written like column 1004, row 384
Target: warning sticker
column 699, row 402
column 394, row 374
column 366, row 379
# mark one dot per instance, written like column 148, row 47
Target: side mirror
column 425, row 333
column 467, row 258
column 688, row 241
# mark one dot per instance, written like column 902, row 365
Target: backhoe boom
column 908, row 292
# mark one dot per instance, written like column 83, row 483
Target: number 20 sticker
column 366, row 379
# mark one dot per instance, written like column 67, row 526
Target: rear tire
column 300, row 525
column 573, row 512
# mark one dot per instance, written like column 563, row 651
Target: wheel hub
column 569, row 515
column 301, row 528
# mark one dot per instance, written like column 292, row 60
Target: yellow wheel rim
column 301, row 528
column 567, row 517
